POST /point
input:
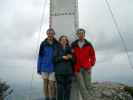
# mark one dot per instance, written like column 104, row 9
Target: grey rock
column 108, row 91
column 4, row 90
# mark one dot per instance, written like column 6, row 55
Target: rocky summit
column 110, row 91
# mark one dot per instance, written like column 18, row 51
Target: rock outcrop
column 110, row 91
column 4, row 90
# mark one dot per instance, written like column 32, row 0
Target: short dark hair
column 80, row 30
column 51, row 29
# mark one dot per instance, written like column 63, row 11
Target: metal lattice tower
column 65, row 21
column 64, row 17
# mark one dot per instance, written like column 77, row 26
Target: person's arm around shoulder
column 57, row 57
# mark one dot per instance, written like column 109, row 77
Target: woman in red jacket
column 84, row 61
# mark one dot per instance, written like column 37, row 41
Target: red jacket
column 84, row 57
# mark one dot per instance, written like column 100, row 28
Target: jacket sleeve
column 39, row 60
column 57, row 57
column 70, row 52
column 92, row 56
column 73, row 62
column 73, row 56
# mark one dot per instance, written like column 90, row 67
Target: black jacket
column 63, row 67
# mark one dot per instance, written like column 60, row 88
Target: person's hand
column 76, row 73
column 69, row 56
column 72, row 50
column 65, row 57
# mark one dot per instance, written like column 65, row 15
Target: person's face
column 81, row 35
column 63, row 41
column 50, row 34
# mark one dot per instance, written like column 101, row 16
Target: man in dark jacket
column 45, row 65
column 85, row 59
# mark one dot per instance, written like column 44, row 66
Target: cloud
column 20, row 28
column 20, row 37
column 20, row 21
column 96, row 19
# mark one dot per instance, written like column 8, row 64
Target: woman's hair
column 64, row 36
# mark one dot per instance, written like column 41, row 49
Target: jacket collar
column 47, row 43
column 86, row 43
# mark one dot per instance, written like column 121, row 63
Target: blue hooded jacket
column 45, row 57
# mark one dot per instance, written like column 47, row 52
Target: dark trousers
column 63, row 87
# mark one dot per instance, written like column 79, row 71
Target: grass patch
column 129, row 90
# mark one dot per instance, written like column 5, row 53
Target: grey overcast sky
column 20, row 25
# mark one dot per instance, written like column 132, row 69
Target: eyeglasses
column 80, row 33
column 50, row 33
